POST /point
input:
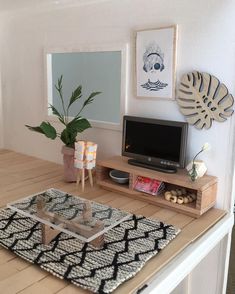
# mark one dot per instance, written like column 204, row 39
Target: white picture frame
column 97, row 123
column 156, row 62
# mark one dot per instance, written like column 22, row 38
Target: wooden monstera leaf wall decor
column 202, row 99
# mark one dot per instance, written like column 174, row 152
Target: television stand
column 164, row 169
column 204, row 188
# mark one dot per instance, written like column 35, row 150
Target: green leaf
column 69, row 134
column 75, row 95
column 45, row 128
column 35, row 129
column 68, row 137
column 72, row 121
column 90, row 99
column 58, row 86
column 48, row 130
column 56, row 112
column 79, row 125
column 60, row 82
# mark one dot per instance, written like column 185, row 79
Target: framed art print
column 156, row 62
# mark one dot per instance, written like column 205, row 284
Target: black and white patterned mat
column 127, row 248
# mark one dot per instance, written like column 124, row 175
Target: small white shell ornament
column 202, row 99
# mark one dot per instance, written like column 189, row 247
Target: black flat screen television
column 155, row 144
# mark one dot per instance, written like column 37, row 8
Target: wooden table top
column 22, row 175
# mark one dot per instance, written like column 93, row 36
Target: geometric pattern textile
column 69, row 207
column 127, row 248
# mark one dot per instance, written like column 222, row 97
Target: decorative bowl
column 118, row 176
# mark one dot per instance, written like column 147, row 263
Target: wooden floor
column 21, row 175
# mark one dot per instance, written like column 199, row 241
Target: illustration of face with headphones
column 153, row 58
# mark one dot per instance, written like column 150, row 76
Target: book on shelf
column 149, row 186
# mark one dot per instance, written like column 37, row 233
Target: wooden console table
column 22, row 175
column 204, row 188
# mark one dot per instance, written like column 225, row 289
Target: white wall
column 206, row 43
column 1, row 115
column 2, row 22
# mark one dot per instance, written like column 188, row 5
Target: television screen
column 155, row 142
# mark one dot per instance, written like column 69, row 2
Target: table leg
column 78, row 177
column 98, row 242
column 83, row 179
column 48, row 234
column 90, row 177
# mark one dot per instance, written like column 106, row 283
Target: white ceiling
column 13, row 5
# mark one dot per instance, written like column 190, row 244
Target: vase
column 196, row 169
column 70, row 172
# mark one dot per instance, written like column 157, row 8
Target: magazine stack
column 149, row 186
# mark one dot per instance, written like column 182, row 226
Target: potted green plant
column 72, row 127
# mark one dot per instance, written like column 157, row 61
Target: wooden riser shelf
column 159, row 200
column 205, row 188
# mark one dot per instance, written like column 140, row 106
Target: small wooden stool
column 85, row 159
column 81, row 177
